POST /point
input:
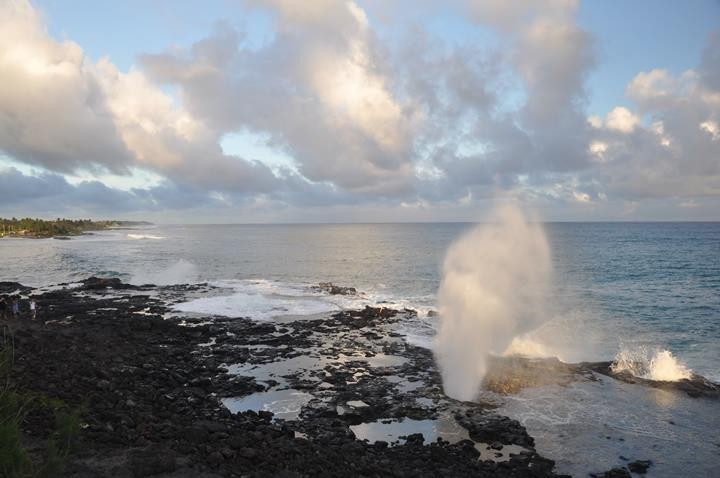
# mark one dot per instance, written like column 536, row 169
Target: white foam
column 57, row 287
column 419, row 340
column 261, row 299
column 145, row 236
column 662, row 366
column 255, row 306
column 264, row 286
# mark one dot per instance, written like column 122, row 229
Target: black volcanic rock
column 149, row 394
column 101, row 283
column 333, row 289
column 639, row 466
column 12, row 287
column 696, row 386
column 614, row 473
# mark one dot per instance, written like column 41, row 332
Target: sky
column 253, row 111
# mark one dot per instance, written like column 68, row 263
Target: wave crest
column 145, row 236
column 661, row 366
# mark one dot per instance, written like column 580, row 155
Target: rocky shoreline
column 150, row 393
column 162, row 394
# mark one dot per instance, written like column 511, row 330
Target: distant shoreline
column 63, row 229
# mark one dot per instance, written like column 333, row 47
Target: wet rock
column 265, row 415
column 415, row 439
column 333, row 289
column 614, row 473
column 13, row 287
column 144, row 382
column 100, row 283
column 639, row 466
column 696, row 386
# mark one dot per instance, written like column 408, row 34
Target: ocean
column 616, row 290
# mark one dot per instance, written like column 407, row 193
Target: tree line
column 28, row 226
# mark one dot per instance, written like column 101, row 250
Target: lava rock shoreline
column 148, row 386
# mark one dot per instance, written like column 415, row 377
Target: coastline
column 161, row 393
column 150, row 394
column 62, row 229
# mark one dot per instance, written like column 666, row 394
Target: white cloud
column 712, row 128
column 659, row 129
column 52, row 111
column 676, row 155
column 351, row 116
column 598, row 149
column 651, row 85
column 621, row 119
column 595, row 121
column 318, row 91
column 66, row 114
column 581, row 197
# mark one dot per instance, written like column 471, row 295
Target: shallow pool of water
column 285, row 404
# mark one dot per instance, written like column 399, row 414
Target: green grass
column 15, row 461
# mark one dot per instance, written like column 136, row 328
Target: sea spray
column 494, row 285
column 181, row 272
column 662, row 366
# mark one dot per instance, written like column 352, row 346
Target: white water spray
column 181, row 272
column 495, row 280
column 662, row 366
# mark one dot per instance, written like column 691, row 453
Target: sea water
column 623, row 290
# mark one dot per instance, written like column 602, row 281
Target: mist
column 494, row 288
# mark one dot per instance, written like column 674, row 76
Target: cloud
column 62, row 112
column 676, row 154
column 621, row 119
column 52, row 109
column 51, row 194
column 547, row 56
column 371, row 116
column 318, row 90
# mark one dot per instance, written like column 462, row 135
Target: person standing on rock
column 15, row 307
column 33, row 309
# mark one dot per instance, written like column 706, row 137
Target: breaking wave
column 145, row 236
column 661, row 366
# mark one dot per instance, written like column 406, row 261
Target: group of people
column 10, row 307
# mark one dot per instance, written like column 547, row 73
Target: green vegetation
column 15, row 460
column 36, row 228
